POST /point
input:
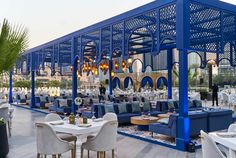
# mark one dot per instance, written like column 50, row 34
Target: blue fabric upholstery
column 135, row 107
column 125, row 118
column 122, row 117
column 198, row 121
column 146, row 106
column 39, row 103
column 219, row 119
column 61, row 109
column 165, row 105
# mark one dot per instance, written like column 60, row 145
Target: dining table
column 228, row 141
column 82, row 131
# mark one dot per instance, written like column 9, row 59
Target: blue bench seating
column 170, row 105
column 199, row 120
column 61, row 106
column 126, row 110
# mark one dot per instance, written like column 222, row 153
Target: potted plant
column 4, row 148
column 13, row 41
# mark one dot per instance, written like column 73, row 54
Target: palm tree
column 13, row 41
column 192, row 76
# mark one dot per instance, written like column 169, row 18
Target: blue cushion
column 198, row 103
column 135, row 107
column 109, row 108
column 125, row 118
column 171, row 105
column 164, row 121
column 43, row 99
column 122, row 108
column 146, row 106
column 190, row 104
column 176, row 103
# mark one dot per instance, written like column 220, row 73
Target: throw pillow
column 146, row 106
column 164, row 121
column 62, row 102
column 135, row 107
column 122, row 108
column 171, row 105
column 109, row 108
column 43, row 99
column 190, row 103
column 198, row 103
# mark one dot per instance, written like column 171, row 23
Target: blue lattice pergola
column 206, row 27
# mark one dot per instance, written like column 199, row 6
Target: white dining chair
column 4, row 113
column 64, row 136
column 209, row 147
column 52, row 117
column 232, row 128
column 110, row 117
column 48, row 143
column 104, row 141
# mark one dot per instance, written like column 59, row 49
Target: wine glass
column 93, row 117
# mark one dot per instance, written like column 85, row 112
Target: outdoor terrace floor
column 23, row 142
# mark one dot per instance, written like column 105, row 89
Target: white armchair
column 64, row 136
column 209, row 148
column 104, row 141
column 48, row 143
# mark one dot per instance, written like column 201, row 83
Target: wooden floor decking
column 23, row 142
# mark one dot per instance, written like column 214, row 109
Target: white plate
column 98, row 120
column 84, row 125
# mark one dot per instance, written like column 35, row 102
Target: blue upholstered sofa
column 198, row 121
column 218, row 119
column 21, row 98
column 206, row 120
column 61, row 106
column 40, row 101
column 125, row 110
column 170, row 105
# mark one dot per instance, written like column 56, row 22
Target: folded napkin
column 98, row 120
column 57, row 123
column 84, row 125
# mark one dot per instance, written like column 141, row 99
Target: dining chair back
column 209, row 148
column 232, row 128
column 48, row 143
column 52, row 117
column 110, row 117
column 105, row 140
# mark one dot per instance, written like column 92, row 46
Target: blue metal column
column 10, row 100
column 32, row 105
column 182, row 41
column 74, row 83
column 110, row 77
column 169, row 66
column 110, row 60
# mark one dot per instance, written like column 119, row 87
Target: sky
column 49, row 19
